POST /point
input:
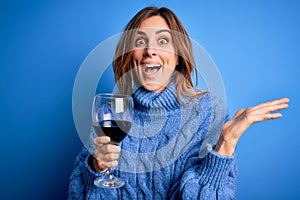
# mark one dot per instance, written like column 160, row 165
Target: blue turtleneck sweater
column 167, row 153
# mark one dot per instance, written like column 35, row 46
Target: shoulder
column 213, row 106
column 208, row 100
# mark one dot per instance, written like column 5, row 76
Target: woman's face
column 154, row 55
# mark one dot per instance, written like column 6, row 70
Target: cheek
column 137, row 55
column 170, row 59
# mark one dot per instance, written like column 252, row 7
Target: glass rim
column 111, row 95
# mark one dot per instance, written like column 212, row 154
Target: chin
column 154, row 87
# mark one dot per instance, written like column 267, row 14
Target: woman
column 160, row 156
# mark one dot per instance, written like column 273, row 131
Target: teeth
column 152, row 65
column 151, row 68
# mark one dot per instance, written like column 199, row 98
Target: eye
column 140, row 42
column 163, row 41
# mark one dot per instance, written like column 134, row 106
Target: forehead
column 156, row 22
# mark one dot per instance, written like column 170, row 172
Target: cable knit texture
column 160, row 156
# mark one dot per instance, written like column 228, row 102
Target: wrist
column 225, row 147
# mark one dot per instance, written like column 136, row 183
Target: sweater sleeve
column 206, row 175
column 211, row 177
column 82, row 181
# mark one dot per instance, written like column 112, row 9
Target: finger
column 111, row 164
column 272, row 108
column 110, row 148
column 239, row 112
column 279, row 107
column 278, row 101
column 272, row 116
column 268, row 116
column 101, row 140
column 103, row 150
column 273, row 102
column 285, row 99
column 111, row 157
column 99, row 166
column 107, row 157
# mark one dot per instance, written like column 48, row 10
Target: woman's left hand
column 243, row 119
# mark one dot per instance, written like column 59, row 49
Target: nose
column 150, row 50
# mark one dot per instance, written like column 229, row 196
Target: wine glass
column 112, row 116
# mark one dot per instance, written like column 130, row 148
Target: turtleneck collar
column 145, row 100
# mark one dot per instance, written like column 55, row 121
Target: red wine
column 115, row 129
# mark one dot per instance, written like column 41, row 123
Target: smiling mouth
column 151, row 69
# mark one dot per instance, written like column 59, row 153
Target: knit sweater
column 167, row 153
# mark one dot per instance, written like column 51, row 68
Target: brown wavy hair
column 123, row 62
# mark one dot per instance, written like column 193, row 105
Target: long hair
column 123, row 63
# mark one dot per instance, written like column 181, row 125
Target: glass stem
column 109, row 173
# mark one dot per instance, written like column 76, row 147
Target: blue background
column 255, row 45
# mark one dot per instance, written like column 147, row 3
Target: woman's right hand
column 106, row 154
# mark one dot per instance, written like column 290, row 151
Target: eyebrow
column 157, row 32
column 163, row 30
